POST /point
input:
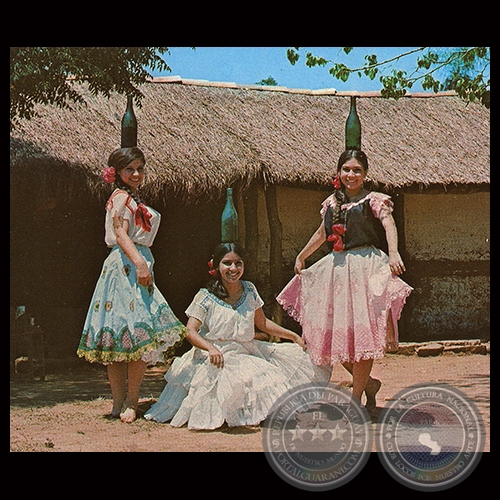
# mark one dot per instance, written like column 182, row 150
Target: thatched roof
column 200, row 137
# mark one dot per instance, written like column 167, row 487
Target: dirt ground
column 67, row 412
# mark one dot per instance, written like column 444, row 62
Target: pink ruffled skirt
column 343, row 303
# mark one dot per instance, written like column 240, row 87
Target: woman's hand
column 300, row 341
column 396, row 263
column 144, row 277
column 299, row 265
column 193, row 336
column 271, row 328
column 216, row 357
column 264, row 337
column 316, row 240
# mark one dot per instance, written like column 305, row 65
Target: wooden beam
column 250, row 199
column 276, row 232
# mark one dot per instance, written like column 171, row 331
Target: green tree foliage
column 270, row 81
column 463, row 69
column 46, row 75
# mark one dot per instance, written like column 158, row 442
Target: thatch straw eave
column 199, row 139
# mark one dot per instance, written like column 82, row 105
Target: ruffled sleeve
column 199, row 307
column 254, row 294
column 381, row 204
column 329, row 202
column 121, row 203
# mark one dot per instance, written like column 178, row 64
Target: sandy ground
column 68, row 411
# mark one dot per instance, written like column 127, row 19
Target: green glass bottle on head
column 129, row 126
column 353, row 128
column 229, row 220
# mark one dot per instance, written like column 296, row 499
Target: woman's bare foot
column 371, row 389
column 128, row 415
column 117, row 409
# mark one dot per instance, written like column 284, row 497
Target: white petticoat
column 254, row 376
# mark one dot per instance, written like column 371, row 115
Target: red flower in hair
column 109, row 174
column 212, row 271
column 336, row 182
column 336, row 237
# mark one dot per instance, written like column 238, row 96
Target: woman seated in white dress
column 229, row 376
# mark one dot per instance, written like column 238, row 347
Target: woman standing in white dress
column 129, row 323
column 228, row 376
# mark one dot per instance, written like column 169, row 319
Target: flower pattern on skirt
column 343, row 302
column 126, row 321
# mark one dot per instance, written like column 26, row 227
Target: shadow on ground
column 81, row 385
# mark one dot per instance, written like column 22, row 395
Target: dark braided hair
column 120, row 159
column 215, row 285
column 340, row 196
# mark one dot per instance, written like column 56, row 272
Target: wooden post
column 251, row 215
column 276, row 231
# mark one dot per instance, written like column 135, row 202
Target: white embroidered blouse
column 122, row 203
column 221, row 321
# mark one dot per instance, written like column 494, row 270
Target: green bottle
column 129, row 126
column 353, row 128
column 229, row 220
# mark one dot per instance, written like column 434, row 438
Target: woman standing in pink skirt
column 349, row 302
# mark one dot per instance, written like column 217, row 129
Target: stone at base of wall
column 421, row 349
column 436, row 348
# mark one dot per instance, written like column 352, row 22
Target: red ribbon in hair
column 336, row 237
column 212, row 271
column 336, row 182
column 142, row 217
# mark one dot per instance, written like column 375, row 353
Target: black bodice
column 362, row 227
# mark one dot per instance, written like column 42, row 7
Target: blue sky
column 250, row 65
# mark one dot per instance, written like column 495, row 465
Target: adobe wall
column 447, row 247
column 453, row 227
column 444, row 241
column 56, row 258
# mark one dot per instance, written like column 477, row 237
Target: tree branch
column 387, row 61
